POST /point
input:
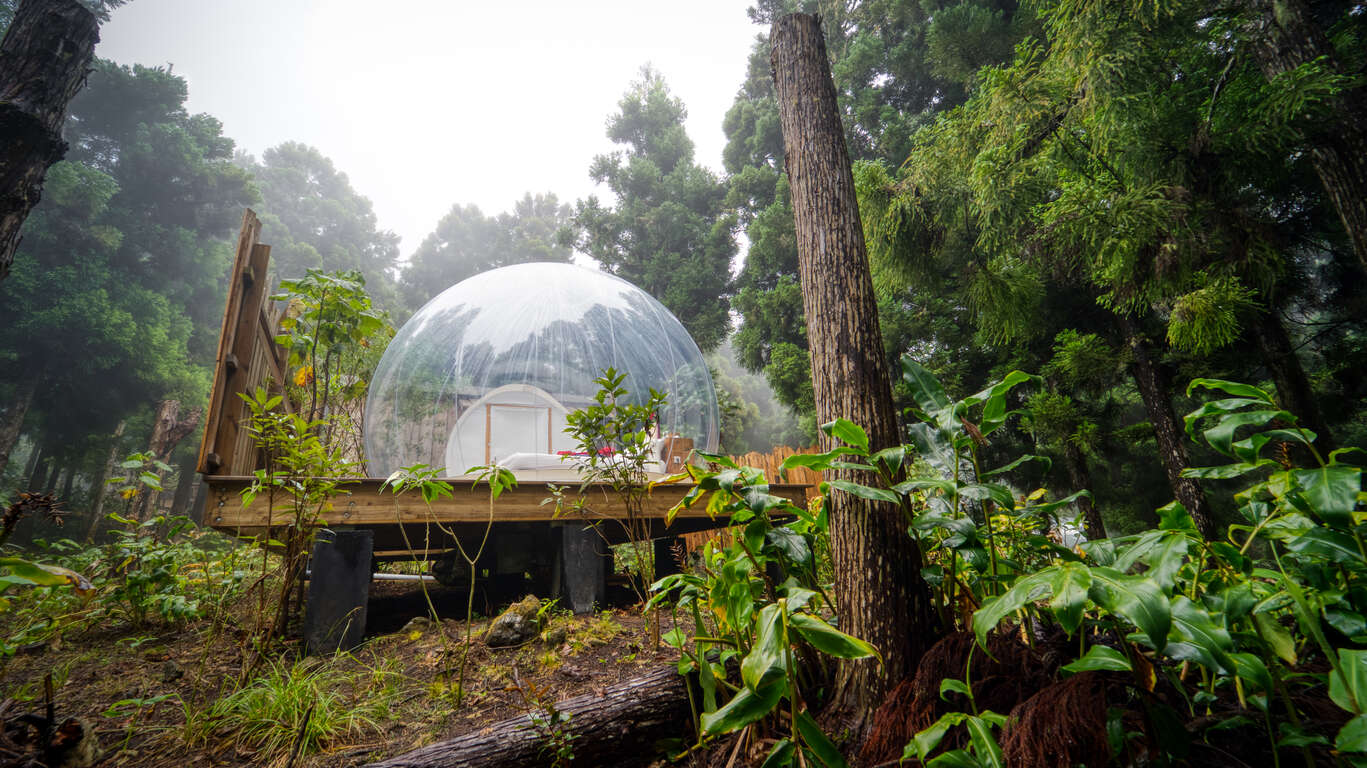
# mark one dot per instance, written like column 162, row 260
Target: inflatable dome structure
column 488, row 370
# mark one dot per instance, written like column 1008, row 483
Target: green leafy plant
column 298, row 708
column 615, row 437
column 303, row 471
column 756, row 602
column 423, row 479
column 334, row 337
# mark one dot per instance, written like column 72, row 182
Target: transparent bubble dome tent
column 488, row 370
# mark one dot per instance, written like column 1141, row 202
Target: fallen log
column 619, row 726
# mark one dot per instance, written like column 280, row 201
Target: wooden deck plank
column 361, row 503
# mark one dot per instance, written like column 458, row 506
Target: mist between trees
column 1120, row 218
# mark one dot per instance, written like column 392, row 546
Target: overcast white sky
column 424, row 104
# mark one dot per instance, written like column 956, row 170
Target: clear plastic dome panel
column 490, row 368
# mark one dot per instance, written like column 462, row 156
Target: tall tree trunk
column 162, row 426
column 31, row 467
column 1284, row 35
column 68, row 483
column 31, row 478
column 100, row 491
column 1155, row 389
column 1080, row 478
column 1293, row 388
column 54, row 476
column 882, row 597
column 43, row 61
column 185, row 486
column 12, row 420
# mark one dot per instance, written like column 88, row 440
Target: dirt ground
column 148, row 697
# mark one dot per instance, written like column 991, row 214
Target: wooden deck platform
column 361, row 504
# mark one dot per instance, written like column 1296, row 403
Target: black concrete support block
column 338, row 590
column 665, row 562
column 583, row 560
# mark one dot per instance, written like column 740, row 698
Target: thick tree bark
column 67, row 484
column 101, row 489
column 1080, row 478
column 31, row 468
column 51, row 484
column 12, row 420
column 168, row 430
column 1284, row 35
column 618, row 727
column 882, row 597
column 185, row 485
column 1293, row 388
column 1155, row 389
column 43, row 61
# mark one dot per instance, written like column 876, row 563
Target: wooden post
column 43, row 61
column 879, row 590
column 338, row 590
column 582, row 564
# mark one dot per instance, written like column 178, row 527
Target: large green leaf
column 928, row 739
column 1327, row 543
column 44, row 575
column 1331, row 492
column 830, row 640
column 1099, row 658
column 1026, row 590
column 932, row 445
column 958, row 758
column 744, row 708
column 1070, row 584
column 818, row 742
column 1198, row 637
column 1352, row 736
column 780, row 756
column 984, row 743
column 1350, row 690
column 1221, row 435
column 999, row 494
column 849, row 433
column 865, row 492
column 1135, row 599
column 925, row 389
column 1277, row 637
column 1234, row 388
column 765, row 661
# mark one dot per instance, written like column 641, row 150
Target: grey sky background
column 424, row 104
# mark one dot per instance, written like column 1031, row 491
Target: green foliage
column 116, row 295
column 1254, row 612
column 466, row 243
column 161, row 572
column 615, row 438
column 147, row 559
column 316, row 221
column 756, row 601
column 304, row 706
column 669, row 233
column 334, row 338
column 303, row 471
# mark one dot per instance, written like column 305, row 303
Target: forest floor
column 164, row 696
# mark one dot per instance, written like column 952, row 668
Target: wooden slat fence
column 247, row 358
column 770, row 463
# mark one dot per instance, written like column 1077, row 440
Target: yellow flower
column 304, row 377
column 128, row 493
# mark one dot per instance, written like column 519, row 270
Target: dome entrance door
column 516, row 429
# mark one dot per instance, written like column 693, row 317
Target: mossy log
column 619, row 725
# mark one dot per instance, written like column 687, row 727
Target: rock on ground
column 516, row 625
